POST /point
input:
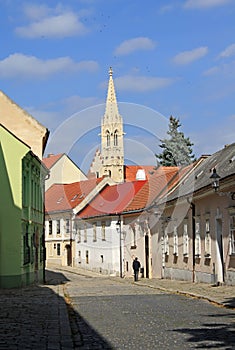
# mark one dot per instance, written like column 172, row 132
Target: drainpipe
column 194, row 236
column 119, row 228
column 192, row 207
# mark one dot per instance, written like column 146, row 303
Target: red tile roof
column 112, row 199
column 131, row 195
column 130, row 171
column 51, row 159
column 158, row 182
column 62, row 197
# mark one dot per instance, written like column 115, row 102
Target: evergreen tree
column 177, row 150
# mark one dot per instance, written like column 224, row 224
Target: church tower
column 112, row 149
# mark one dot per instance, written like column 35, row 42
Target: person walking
column 136, row 268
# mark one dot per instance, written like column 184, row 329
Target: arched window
column 115, row 140
column 108, row 138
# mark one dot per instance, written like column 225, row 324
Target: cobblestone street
column 83, row 310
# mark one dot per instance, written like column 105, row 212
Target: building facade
column 194, row 237
column 23, row 140
column 62, row 202
column 62, row 170
column 21, row 213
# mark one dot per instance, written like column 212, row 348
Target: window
column 26, row 244
column 79, row 256
column 58, row 249
column 50, row 227
column 108, row 138
column 175, row 241
column 94, row 233
column 78, row 235
column 232, row 235
column 185, row 241
column 197, row 240
column 85, row 233
column 57, row 227
column 132, row 230
column 134, row 236
column 87, row 257
column 115, row 140
column 103, row 230
column 25, row 191
column 166, row 243
column 67, row 225
column 207, row 239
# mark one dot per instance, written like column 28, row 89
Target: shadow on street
column 230, row 303
column 55, row 278
column 36, row 317
column 212, row 335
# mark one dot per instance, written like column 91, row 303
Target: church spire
column 111, row 101
column 112, row 149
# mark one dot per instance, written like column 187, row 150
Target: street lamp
column 215, row 180
column 118, row 226
column 215, row 185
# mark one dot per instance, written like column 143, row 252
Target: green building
column 21, row 213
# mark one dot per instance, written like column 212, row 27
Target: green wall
column 14, row 272
column 11, row 153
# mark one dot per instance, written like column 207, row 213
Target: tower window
column 108, row 138
column 115, row 140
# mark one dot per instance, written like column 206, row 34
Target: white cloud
column 33, row 11
column 187, row 57
column 141, row 83
column 135, row 44
column 228, row 52
column 47, row 25
column 211, row 71
column 202, row 4
column 19, row 65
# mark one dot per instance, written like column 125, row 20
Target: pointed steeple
column 112, row 149
column 111, row 110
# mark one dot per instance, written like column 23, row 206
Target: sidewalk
column 223, row 296
column 35, row 317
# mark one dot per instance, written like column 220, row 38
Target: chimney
column 140, row 175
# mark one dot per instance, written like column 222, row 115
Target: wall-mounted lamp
column 215, row 185
column 215, row 180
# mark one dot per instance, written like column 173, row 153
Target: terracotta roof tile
column 51, row 160
column 112, row 199
column 62, row 197
column 130, row 195
column 130, row 171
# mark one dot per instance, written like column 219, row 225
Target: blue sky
column 168, row 58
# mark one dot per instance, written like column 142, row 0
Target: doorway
column 147, row 256
column 219, row 252
column 69, row 255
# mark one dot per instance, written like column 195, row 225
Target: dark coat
column 136, row 265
